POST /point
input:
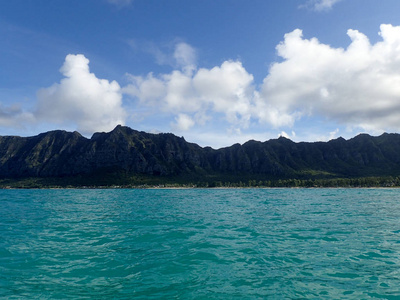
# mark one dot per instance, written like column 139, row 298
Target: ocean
column 200, row 244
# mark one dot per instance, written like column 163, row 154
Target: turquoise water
column 200, row 244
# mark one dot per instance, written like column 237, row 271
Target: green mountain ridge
column 124, row 154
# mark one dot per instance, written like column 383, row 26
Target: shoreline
column 207, row 182
column 195, row 188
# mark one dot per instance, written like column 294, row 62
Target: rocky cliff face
column 61, row 153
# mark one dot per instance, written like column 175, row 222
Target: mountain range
column 127, row 151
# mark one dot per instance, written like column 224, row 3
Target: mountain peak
column 62, row 153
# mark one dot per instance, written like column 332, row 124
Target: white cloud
column 226, row 89
column 183, row 122
column 320, row 5
column 81, row 98
column 15, row 116
column 178, row 55
column 185, row 57
column 284, row 134
column 290, row 136
column 333, row 134
column 149, row 90
column 353, row 88
column 358, row 86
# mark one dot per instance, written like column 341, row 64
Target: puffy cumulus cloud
column 358, row 86
column 183, row 122
column 91, row 103
column 226, row 89
column 320, row 5
column 149, row 89
column 197, row 94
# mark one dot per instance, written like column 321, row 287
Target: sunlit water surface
column 200, row 244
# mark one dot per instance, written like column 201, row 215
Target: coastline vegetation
column 141, row 181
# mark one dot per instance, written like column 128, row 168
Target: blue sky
column 217, row 72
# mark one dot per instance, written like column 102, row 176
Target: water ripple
column 200, row 244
